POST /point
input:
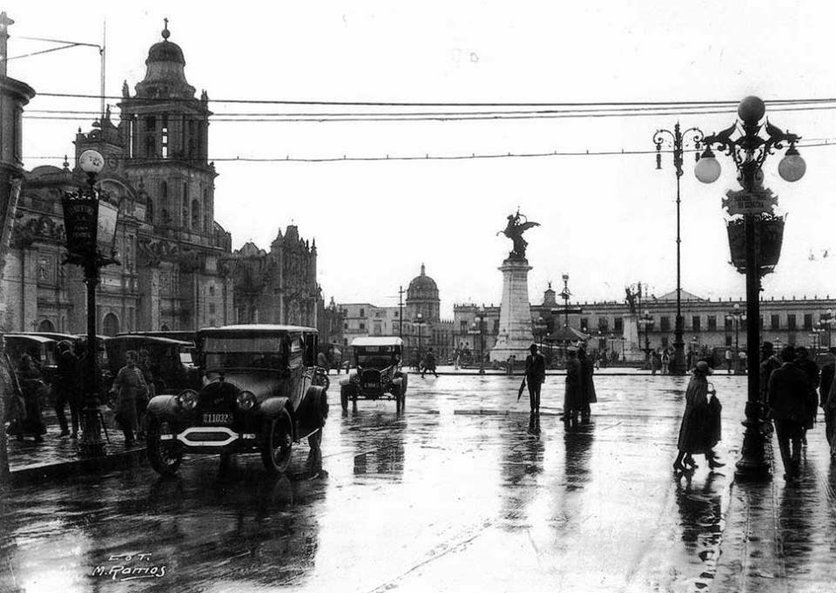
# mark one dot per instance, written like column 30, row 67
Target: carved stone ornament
column 36, row 228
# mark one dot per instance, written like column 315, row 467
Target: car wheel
column 344, row 394
column 164, row 456
column 278, row 443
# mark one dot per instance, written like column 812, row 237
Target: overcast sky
column 607, row 221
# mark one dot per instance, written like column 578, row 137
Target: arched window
column 163, row 190
column 149, row 210
column 46, row 326
column 110, row 325
column 196, row 215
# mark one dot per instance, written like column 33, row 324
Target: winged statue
column 517, row 225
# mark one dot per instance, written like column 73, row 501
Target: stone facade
column 278, row 286
column 172, row 273
column 515, row 335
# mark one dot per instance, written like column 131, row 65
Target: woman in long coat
column 588, row 395
column 129, row 386
column 699, row 431
column 573, row 396
column 33, row 389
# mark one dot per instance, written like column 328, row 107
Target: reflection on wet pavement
column 451, row 495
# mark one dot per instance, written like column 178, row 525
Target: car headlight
column 245, row 400
column 187, row 399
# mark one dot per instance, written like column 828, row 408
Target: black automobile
column 261, row 392
column 378, row 375
column 171, row 360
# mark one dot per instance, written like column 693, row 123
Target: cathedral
column 174, row 271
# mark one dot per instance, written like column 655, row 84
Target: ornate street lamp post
column 90, row 222
column 736, row 315
column 826, row 321
column 646, row 321
column 677, row 140
column 754, row 238
column 419, row 321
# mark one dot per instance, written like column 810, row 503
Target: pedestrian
column 535, row 376
column 322, row 361
column 144, row 364
column 666, row 361
column 828, row 370
column 769, row 362
column 573, row 397
column 67, row 389
column 741, row 358
column 128, row 385
column 699, row 430
column 811, row 371
column 429, row 363
column 728, row 361
column 509, row 365
column 788, row 394
column 33, row 390
column 587, row 385
column 830, row 419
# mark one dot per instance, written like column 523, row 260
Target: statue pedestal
column 632, row 340
column 515, row 336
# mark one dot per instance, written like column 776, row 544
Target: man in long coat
column 535, row 375
column 788, row 395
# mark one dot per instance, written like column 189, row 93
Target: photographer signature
column 129, row 567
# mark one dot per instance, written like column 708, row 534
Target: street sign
column 758, row 201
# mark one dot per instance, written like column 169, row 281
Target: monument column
column 515, row 335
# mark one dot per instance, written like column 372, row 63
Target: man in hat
column 769, row 362
column 787, row 398
column 535, row 375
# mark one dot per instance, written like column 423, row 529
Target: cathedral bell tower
column 165, row 134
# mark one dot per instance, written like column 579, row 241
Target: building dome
column 165, row 51
column 165, row 70
column 422, row 288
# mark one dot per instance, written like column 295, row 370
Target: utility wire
column 427, row 157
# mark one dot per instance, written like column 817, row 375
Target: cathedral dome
column 422, row 287
column 165, row 70
column 165, row 51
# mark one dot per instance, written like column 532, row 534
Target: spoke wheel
column 164, row 456
column 278, row 443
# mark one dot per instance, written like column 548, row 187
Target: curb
column 46, row 471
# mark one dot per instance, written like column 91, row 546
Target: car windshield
column 244, row 352
column 377, row 357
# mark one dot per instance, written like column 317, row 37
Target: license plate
column 217, row 418
column 371, row 385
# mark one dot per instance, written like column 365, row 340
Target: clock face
column 91, row 161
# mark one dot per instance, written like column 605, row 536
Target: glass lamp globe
column 751, row 109
column 707, row 169
column 91, row 161
column 792, row 167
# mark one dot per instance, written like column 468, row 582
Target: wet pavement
column 452, row 495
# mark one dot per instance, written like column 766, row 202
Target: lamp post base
column 91, row 444
column 678, row 367
column 754, row 464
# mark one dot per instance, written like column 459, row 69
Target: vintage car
column 378, row 374
column 171, row 360
column 43, row 351
column 261, row 393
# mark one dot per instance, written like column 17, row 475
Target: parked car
column 171, row 360
column 379, row 374
column 40, row 348
column 260, row 393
